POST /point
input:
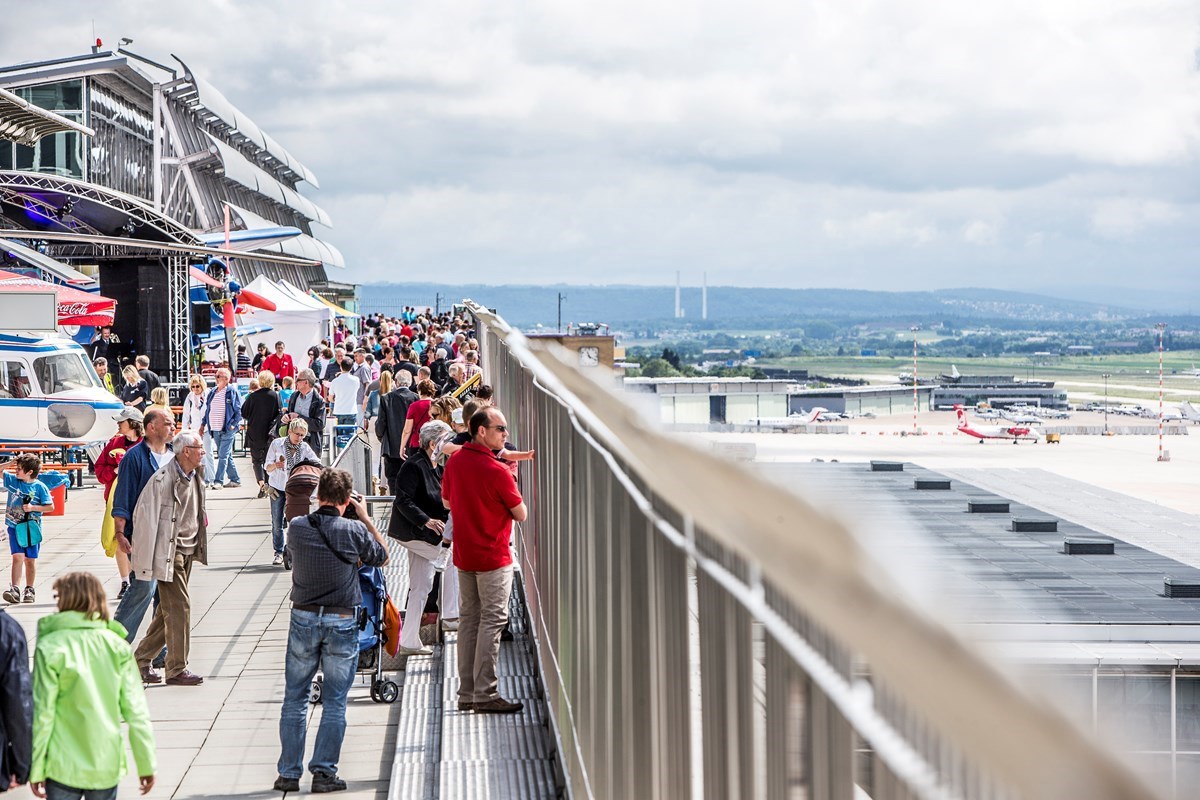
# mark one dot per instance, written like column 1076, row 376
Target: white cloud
column 780, row 142
column 1121, row 218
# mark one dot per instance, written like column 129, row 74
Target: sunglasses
column 501, row 428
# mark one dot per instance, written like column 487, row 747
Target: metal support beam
column 179, row 323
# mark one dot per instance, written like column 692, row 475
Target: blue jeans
column 224, row 440
column 210, row 466
column 58, row 791
column 331, row 644
column 133, row 606
column 277, row 505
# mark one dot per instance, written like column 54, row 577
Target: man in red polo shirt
column 280, row 363
column 483, row 499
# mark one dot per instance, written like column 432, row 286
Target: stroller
column 371, row 639
column 300, row 488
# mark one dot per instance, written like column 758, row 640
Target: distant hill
column 526, row 306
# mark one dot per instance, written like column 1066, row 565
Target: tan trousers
column 483, row 610
column 172, row 623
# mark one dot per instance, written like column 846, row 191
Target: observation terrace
column 683, row 629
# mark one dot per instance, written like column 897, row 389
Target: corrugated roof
column 205, row 97
column 241, row 170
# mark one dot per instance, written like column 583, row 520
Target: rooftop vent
column 1034, row 525
column 1181, row 587
column 887, row 466
column 1090, row 547
column 932, row 483
column 987, row 506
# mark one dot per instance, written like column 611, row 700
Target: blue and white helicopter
column 49, row 392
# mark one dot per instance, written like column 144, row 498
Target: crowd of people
column 412, row 383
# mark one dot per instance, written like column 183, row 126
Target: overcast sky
column 874, row 144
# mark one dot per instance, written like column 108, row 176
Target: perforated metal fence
column 703, row 634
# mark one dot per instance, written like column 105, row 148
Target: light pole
column 914, row 330
column 561, row 297
column 1106, row 376
column 1161, row 328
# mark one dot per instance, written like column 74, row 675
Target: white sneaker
column 442, row 561
column 416, row 651
column 278, row 559
column 12, row 594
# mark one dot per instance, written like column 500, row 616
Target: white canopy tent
column 296, row 323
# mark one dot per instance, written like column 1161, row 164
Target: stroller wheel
column 389, row 691
column 287, row 560
column 375, row 692
column 314, row 691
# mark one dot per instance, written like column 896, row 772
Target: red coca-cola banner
column 75, row 307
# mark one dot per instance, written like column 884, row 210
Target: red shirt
column 282, row 367
column 480, row 491
column 418, row 412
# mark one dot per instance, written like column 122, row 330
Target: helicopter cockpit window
column 14, row 380
column 63, row 372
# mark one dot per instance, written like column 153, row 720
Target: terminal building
column 999, row 391
column 737, row 401
column 170, row 157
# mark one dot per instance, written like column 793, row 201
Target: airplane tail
column 962, row 417
column 815, row 414
column 1190, row 412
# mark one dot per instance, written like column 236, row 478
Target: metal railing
column 704, row 634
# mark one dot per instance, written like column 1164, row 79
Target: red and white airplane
column 1014, row 433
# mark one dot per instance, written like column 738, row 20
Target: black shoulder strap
column 314, row 519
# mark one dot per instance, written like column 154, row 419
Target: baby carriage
column 372, row 638
column 298, row 492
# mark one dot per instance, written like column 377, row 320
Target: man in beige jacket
column 172, row 533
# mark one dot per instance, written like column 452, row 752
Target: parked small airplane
column 1190, row 412
column 793, row 421
column 1021, row 416
column 50, row 393
column 1013, row 433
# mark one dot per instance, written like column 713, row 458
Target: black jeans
column 258, row 455
column 391, row 471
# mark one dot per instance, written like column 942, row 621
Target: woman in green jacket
column 85, row 682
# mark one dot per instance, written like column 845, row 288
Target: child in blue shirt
column 27, row 499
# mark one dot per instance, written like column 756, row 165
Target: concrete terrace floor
column 221, row 739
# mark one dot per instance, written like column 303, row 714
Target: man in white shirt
column 344, row 391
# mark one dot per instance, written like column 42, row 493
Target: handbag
column 391, row 628
column 29, row 533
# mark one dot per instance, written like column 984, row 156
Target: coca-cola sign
column 72, row 309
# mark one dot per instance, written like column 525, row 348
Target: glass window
column 63, row 372
column 6, row 155
column 65, row 96
column 14, row 379
column 1187, row 712
column 1135, row 710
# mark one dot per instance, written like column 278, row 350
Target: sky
column 880, row 144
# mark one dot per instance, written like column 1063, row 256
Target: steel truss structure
column 138, row 219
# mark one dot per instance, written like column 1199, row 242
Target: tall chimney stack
column 678, row 312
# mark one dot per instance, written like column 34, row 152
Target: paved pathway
column 221, row 739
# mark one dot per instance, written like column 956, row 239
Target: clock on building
column 589, row 356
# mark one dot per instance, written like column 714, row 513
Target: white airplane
column 1014, row 433
column 1054, row 413
column 1021, row 416
column 1190, row 412
column 50, row 393
column 789, row 422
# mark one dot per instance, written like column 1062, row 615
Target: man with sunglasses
column 483, row 499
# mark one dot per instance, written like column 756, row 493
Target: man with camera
column 326, row 549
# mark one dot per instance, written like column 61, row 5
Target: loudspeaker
column 201, row 319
